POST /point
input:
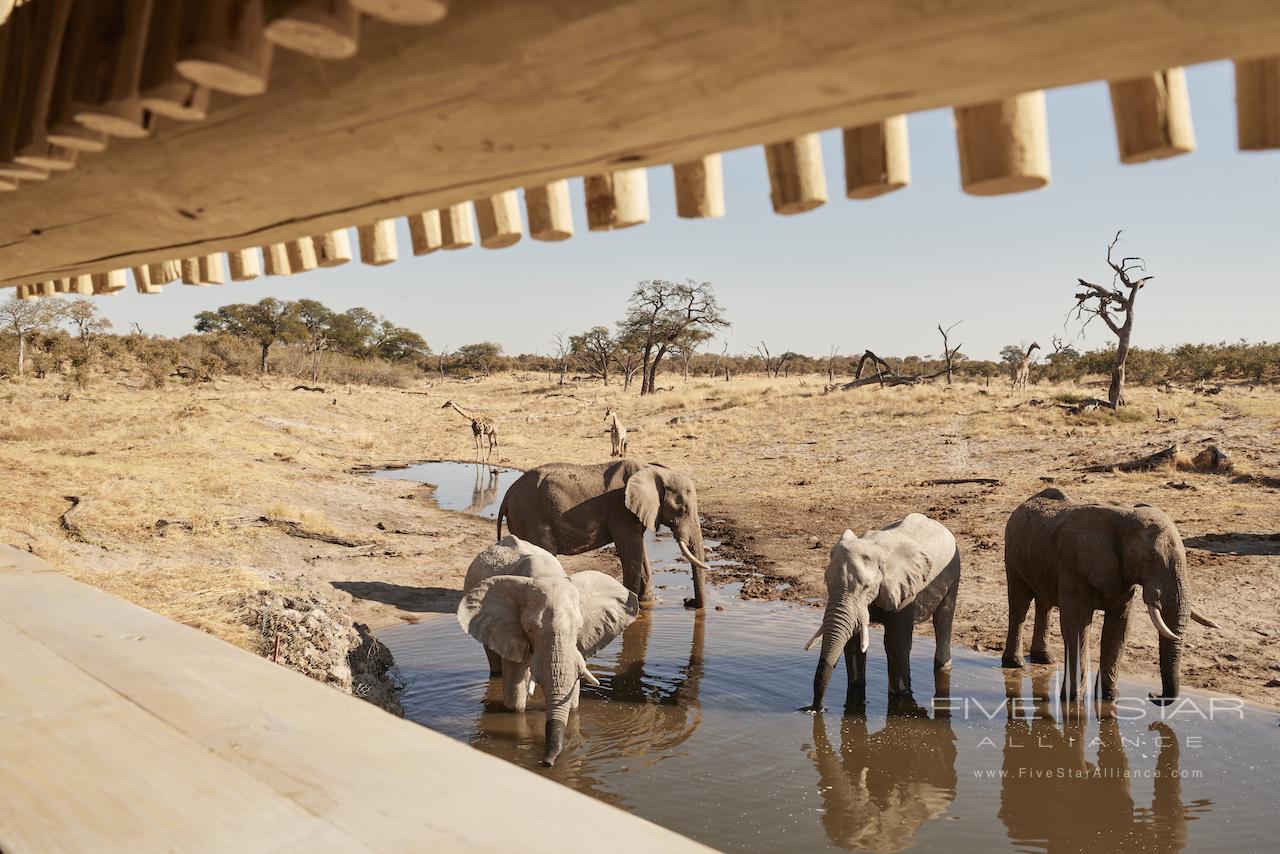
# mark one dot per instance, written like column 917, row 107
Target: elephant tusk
column 1203, row 620
column 587, row 675
column 864, row 639
column 813, row 640
column 1158, row 622
column 688, row 555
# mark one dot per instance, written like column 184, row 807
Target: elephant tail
column 502, row 511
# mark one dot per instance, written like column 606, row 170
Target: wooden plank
column 393, row 785
column 505, row 94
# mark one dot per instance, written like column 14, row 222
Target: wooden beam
column 275, row 260
column 224, row 46
column 164, row 272
column 1004, row 145
column 142, row 281
column 1258, row 103
column 796, row 180
column 616, row 199
column 362, row 141
column 498, row 217
column 700, row 188
column 1153, row 116
column 333, row 249
column 424, row 232
column 245, row 264
column 162, row 89
column 404, row 11
column 456, row 229
column 876, row 158
column 109, row 283
column 378, row 243
column 302, row 255
column 325, row 29
column 550, row 214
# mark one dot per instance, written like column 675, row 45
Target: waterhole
column 694, row 727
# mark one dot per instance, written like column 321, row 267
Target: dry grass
column 785, row 463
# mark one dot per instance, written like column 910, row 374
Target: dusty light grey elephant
column 1083, row 558
column 899, row 575
column 534, row 620
column 569, row 509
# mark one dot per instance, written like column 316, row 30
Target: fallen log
column 68, row 519
column 315, row 388
column 293, row 529
column 1160, row 459
column 949, row 481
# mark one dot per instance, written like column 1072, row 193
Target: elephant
column 569, row 509
column 898, row 575
column 1052, row 797
column 1083, row 558
column 879, row 789
column 534, row 619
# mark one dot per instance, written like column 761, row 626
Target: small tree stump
column 1258, row 103
column 275, row 260
column 326, row 29
column 333, row 248
column 796, row 179
column 498, row 218
column 876, row 158
column 456, row 230
column 700, row 188
column 223, row 46
column 1003, row 145
column 245, row 264
column 424, row 232
column 1153, row 116
column 378, row 242
column 549, row 211
column 617, row 199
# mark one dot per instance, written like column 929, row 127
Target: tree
column 773, row 364
column 353, row 331
column 89, row 324
column 594, row 350
column 480, row 357
column 1011, row 354
column 627, row 355
column 264, row 323
column 685, row 347
column 398, row 344
column 561, row 350
column 1096, row 301
column 661, row 313
column 950, row 354
column 22, row 318
column 318, row 322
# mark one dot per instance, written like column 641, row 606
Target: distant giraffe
column 617, row 432
column 481, row 428
column 1022, row 371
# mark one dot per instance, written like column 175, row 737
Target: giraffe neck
column 458, row 409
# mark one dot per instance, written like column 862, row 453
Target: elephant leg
column 495, row 662
column 1039, row 635
column 943, row 617
column 1075, row 641
column 897, row 649
column 1020, row 596
column 637, row 575
column 515, row 685
column 855, row 664
column 1115, row 625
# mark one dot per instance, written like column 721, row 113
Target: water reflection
column 485, row 491
column 1052, row 798
column 878, row 789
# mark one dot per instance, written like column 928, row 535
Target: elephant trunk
column 1173, row 610
column 689, row 540
column 843, row 617
column 561, row 669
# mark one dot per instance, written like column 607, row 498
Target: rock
column 1273, row 683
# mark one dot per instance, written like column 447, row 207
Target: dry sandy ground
column 782, row 470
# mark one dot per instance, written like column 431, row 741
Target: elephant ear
column 491, row 614
column 643, row 497
column 607, row 609
column 906, row 571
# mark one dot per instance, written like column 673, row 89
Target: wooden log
column 326, row 29
column 62, row 286
column 876, row 158
column 164, row 272
column 1003, row 145
column 498, row 218
column 162, row 89
column 796, row 178
column 424, row 232
column 550, row 213
column 203, row 270
column 245, row 264
column 82, row 284
column 32, row 140
column 333, row 248
column 15, row 47
column 25, row 292
column 1153, row 116
column 75, row 59
column 107, row 76
column 700, row 188
column 378, row 242
column 223, row 46
column 1258, row 103
column 8, row 185
column 302, row 255
column 47, row 289
column 18, row 172
column 275, row 260
column 456, row 230
column 142, row 281
column 617, row 199
column 404, row 11
column 111, row 282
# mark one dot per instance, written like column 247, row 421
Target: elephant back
column 510, row 556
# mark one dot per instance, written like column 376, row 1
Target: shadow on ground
column 1236, row 544
column 434, row 600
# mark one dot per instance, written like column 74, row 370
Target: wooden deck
column 122, row 730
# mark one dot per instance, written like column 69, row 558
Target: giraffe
column 1022, row 371
column 617, row 432
column 481, row 428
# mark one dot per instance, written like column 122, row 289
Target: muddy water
column 468, row 487
column 694, row 727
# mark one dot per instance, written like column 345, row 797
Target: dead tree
column 1115, row 307
column 885, row 375
column 831, row 365
column 773, row 366
column 949, row 353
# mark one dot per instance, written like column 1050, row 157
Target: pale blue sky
column 876, row 274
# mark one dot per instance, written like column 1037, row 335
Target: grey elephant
column 897, row 576
column 569, row 509
column 536, row 621
column 1082, row 558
